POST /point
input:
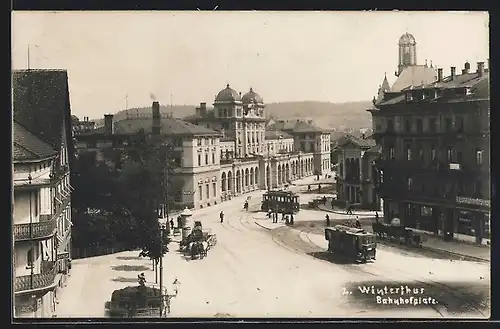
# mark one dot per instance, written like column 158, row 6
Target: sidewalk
column 328, row 208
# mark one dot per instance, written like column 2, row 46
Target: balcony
column 43, row 229
column 35, row 231
column 31, row 283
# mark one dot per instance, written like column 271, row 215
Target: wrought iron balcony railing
column 37, row 281
column 43, row 229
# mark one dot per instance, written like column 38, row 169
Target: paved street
column 282, row 272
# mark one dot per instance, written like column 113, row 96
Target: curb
column 465, row 257
column 267, row 228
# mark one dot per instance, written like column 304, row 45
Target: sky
column 126, row 59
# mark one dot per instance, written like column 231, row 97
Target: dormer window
column 409, row 96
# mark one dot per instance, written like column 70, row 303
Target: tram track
column 382, row 274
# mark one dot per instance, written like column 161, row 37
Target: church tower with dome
column 407, row 52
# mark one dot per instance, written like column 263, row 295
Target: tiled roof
column 169, row 126
column 27, row 146
column 41, row 104
column 365, row 143
column 298, row 126
column 277, row 134
column 415, row 75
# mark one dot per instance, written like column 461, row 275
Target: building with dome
column 220, row 152
column 255, row 155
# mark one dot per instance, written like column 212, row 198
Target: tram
column 353, row 243
column 285, row 202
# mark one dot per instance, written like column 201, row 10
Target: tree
column 128, row 200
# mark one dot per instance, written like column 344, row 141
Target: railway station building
column 223, row 151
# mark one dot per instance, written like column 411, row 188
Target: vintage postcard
column 220, row 164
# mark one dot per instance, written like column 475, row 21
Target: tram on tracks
column 285, row 202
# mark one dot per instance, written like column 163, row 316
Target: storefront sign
column 63, row 256
column 477, row 202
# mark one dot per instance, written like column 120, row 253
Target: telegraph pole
column 28, row 56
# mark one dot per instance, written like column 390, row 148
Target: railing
column 33, row 231
column 37, row 281
column 44, row 228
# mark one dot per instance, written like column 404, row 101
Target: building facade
column 42, row 152
column 224, row 151
column 356, row 172
column 434, row 165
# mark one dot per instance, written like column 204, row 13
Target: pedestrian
column 269, row 213
column 332, row 204
column 358, row 224
column 327, row 220
column 308, row 188
column 291, row 219
column 319, row 188
column 376, row 216
column 171, row 224
column 221, row 215
column 282, row 216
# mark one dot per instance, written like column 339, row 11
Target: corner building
column 434, row 165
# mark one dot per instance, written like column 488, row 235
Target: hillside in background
column 340, row 116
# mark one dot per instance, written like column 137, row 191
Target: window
column 213, row 158
column 409, row 182
column 214, row 188
column 303, row 146
column 448, row 124
column 206, row 159
column 420, row 126
column 200, row 192
column 449, row 154
column 408, row 152
column 392, row 154
column 460, row 124
column 390, row 125
column 479, row 157
column 208, row 191
column 199, row 159
column 432, row 125
column 30, row 257
column 407, row 125
column 433, row 153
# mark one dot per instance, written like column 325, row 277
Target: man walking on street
column 327, row 220
column 376, row 217
column 221, row 215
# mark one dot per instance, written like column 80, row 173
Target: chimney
column 156, row 126
column 466, row 67
column 203, row 109
column 480, row 69
column 108, row 124
column 440, row 75
column 453, row 72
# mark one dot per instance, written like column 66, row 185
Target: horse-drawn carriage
column 284, row 202
column 353, row 243
column 397, row 233
column 198, row 242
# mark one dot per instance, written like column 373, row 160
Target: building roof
column 364, row 143
column 252, row 97
column 41, row 105
column 209, row 115
column 227, row 95
column 40, row 101
column 479, row 87
column 406, row 39
column 277, row 134
column 27, row 146
column 169, row 126
column 414, row 75
column 298, row 126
